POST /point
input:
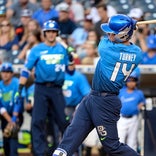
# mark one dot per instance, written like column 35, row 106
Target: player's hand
column 11, row 130
column 28, row 107
column 70, row 50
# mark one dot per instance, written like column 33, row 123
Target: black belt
column 127, row 116
column 49, row 84
column 94, row 92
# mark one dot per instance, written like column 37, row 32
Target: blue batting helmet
column 135, row 75
column 50, row 25
column 6, row 67
column 120, row 25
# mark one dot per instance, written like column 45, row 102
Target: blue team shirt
column 7, row 94
column 49, row 63
column 75, row 88
column 8, row 45
column 42, row 16
column 116, row 63
column 130, row 101
column 147, row 59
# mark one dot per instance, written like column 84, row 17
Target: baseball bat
column 146, row 22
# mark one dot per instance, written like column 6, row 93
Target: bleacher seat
column 121, row 6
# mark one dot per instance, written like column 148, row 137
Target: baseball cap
column 135, row 75
column 136, row 13
column 88, row 18
column 26, row 13
column 6, row 67
column 151, row 41
column 63, row 7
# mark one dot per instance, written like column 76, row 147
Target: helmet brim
column 52, row 29
column 105, row 27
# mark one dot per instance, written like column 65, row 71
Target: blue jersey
column 147, row 59
column 130, row 101
column 7, row 93
column 75, row 87
column 49, row 63
column 116, row 63
column 42, row 16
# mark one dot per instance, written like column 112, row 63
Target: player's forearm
column 23, row 80
column 6, row 116
column 24, row 76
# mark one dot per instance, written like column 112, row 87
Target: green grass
column 20, row 150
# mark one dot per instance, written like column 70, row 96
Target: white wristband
column 2, row 110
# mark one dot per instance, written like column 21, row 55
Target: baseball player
column 11, row 112
column 72, row 90
column 101, row 108
column 132, row 100
column 49, row 60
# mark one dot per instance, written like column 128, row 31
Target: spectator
column 2, row 13
column 25, row 18
column 14, row 11
column 90, row 49
column 34, row 38
column 93, row 12
column 45, row 13
column 92, row 36
column 33, row 25
column 80, row 34
column 77, row 10
column 11, row 112
column 149, row 57
column 73, row 92
column 67, row 26
column 132, row 100
column 102, row 11
column 8, row 38
column 137, row 14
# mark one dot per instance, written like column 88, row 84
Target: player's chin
column 112, row 39
column 51, row 40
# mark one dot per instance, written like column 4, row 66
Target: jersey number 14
column 124, row 71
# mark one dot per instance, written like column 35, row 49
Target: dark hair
column 102, row 5
column 37, row 33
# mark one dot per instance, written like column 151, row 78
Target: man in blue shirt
column 49, row 60
column 11, row 112
column 72, row 90
column 101, row 108
column 149, row 57
column 45, row 13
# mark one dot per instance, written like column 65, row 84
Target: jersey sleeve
column 32, row 59
column 142, row 97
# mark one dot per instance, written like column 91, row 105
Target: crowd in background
column 21, row 25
